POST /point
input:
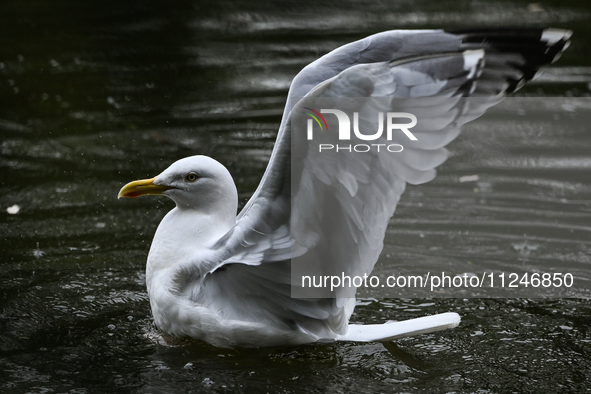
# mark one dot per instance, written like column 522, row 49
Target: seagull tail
column 401, row 329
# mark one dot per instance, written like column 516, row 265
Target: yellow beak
column 142, row 187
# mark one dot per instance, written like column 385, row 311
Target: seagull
column 228, row 279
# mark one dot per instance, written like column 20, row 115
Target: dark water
column 95, row 94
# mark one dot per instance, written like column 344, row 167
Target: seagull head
column 197, row 183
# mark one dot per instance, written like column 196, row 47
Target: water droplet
column 469, row 178
column 13, row 210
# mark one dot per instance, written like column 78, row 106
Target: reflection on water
column 95, row 94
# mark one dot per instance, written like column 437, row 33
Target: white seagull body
column 226, row 279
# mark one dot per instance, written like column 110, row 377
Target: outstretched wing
column 333, row 213
column 512, row 57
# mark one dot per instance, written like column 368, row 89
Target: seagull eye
column 191, row 177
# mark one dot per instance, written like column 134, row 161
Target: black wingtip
column 520, row 49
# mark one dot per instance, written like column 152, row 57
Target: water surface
column 96, row 94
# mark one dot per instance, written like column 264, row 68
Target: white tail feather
column 401, row 329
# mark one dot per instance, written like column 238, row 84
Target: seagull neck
column 200, row 226
column 182, row 236
column 222, row 212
